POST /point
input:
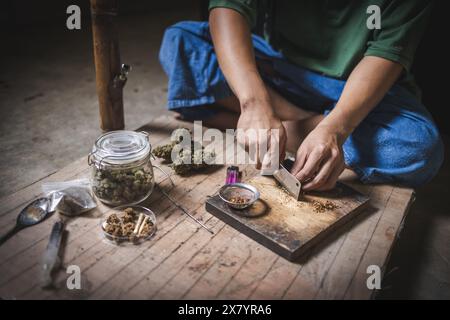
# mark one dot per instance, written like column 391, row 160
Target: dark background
column 431, row 65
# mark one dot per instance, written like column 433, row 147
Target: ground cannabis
column 320, row 207
column 70, row 198
column 239, row 200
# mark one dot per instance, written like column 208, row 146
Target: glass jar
column 122, row 172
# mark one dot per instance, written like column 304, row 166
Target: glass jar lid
column 121, row 147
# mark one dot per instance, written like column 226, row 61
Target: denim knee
column 194, row 77
column 417, row 160
column 170, row 46
column 431, row 149
column 404, row 149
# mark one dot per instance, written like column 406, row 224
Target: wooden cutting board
column 285, row 225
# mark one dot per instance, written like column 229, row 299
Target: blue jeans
column 397, row 142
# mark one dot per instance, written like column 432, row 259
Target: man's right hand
column 259, row 130
column 232, row 40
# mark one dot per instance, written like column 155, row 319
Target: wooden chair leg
column 107, row 64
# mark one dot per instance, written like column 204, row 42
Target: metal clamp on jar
column 122, row 172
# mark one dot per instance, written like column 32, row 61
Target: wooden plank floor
column 184, row 261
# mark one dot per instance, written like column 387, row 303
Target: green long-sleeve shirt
column 332, row 36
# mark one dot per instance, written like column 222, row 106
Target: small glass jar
column 122, row 172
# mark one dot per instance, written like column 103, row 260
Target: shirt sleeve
column 402, row 26
column 245, row 7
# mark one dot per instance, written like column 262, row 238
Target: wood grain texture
column 287, row 226
column 107, row 63
column 184, row 261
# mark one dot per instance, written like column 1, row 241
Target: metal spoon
column 32, row 214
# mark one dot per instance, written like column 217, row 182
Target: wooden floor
column 184, row 261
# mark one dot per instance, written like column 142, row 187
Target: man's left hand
column 319, row 160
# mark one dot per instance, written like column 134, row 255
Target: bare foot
column 299, row 129
column 222, row 120
column 178, row 116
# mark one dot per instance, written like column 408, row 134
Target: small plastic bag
column 71, row 198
